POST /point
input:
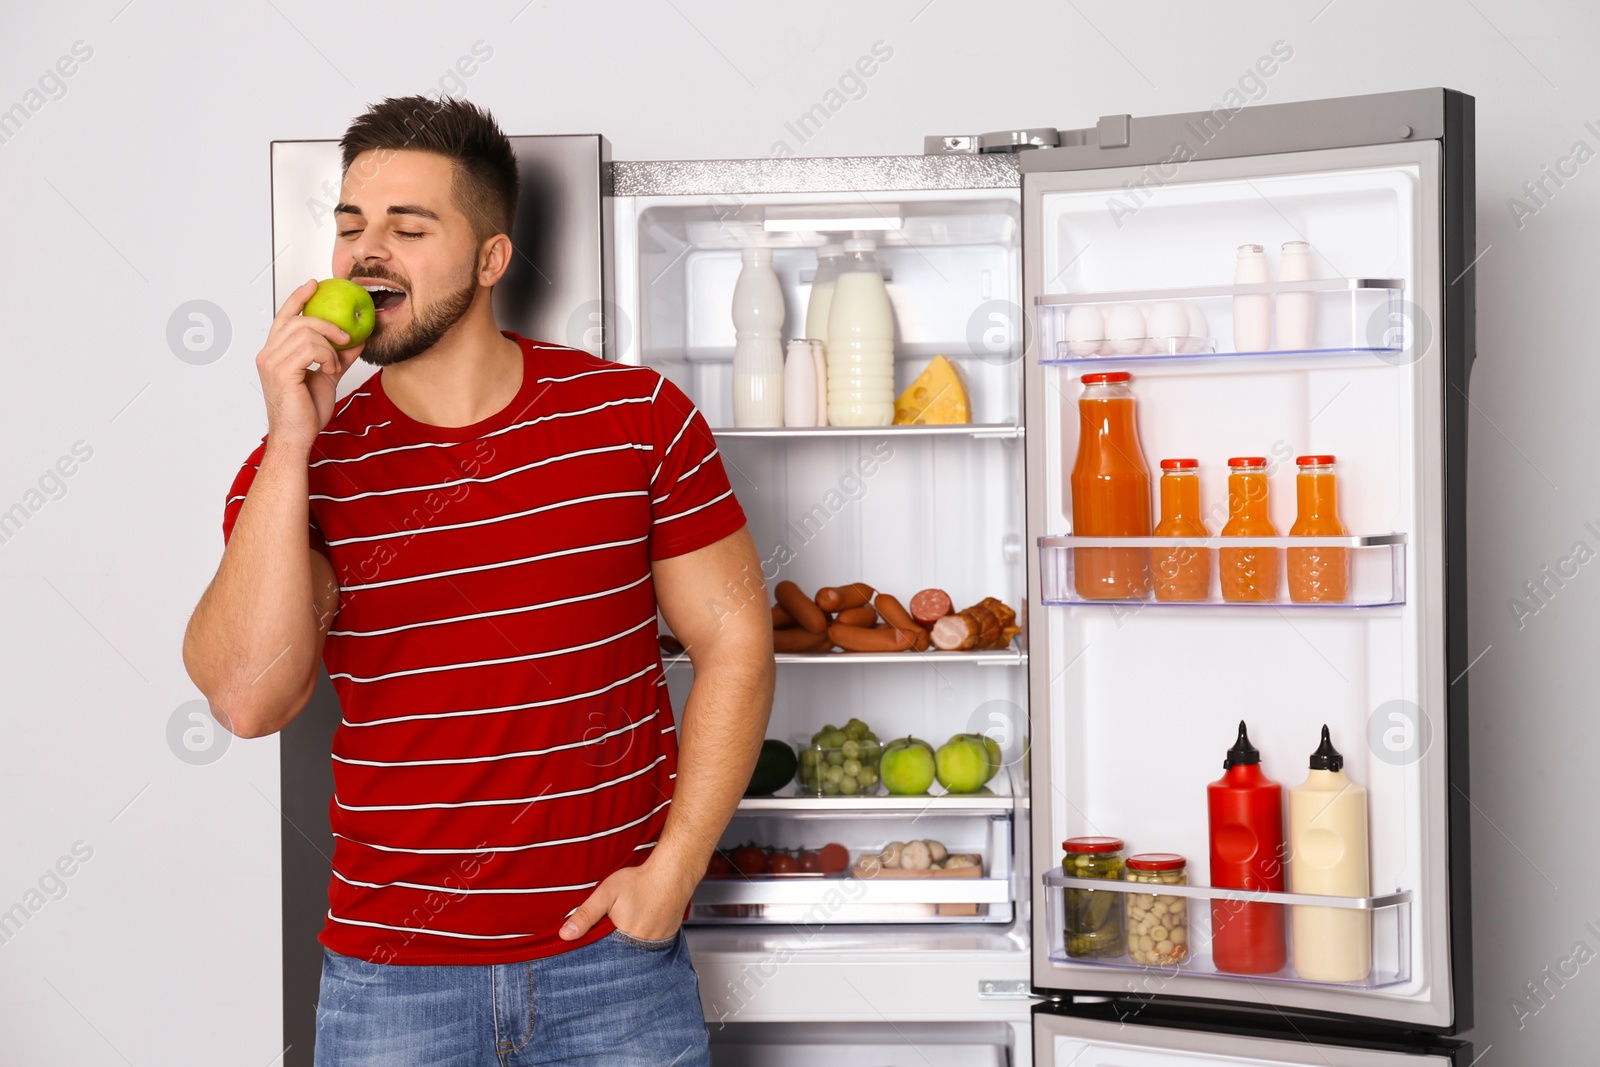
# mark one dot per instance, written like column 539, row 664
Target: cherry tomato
column 719, row 867
column 810, row 862
column 783, row 863
column 833, row 857
column 749, row 860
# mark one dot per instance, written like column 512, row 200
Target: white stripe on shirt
column 452, row 890
column 491, row 614
column 492, row 520
column 497, row 566
column 496, row 662
column 482, row 481
column 506, row 707
column 504, row 800
column 691, row 511
column 597, row 739
column 630, row 824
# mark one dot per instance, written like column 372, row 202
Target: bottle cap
column 756, row 255
column 860, row 244
column 1243, row 752
column 1180, row 464
column 1247, row 462
column 1108, row 376
column 1326, row 757
column 1249, row 250
column 1092, row 844
column 832, row 248
column 1157, row 861
column 1314, row 461
column 1295, row 247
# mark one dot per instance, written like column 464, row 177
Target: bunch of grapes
column 841, row 761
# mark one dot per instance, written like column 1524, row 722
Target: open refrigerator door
column 1164, row 333
column 805, row 937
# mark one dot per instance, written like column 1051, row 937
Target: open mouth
column 385, row 297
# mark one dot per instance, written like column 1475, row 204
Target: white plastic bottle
column 820, row 363
column 1328, row 857
column 829, row 257
column 1294, row 312
column 860, row 343
column 799, row 384
column 758, row 312
column 1252, row 313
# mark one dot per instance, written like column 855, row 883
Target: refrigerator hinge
column 1112, row 131
column 1004, row 989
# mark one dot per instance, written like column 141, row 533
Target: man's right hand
column 300, row 401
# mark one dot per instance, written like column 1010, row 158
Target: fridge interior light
column 816, row 225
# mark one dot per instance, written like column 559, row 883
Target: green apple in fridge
column 963, row 764
column 346, row 305
column 907, row 766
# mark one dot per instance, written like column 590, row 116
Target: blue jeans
column 617, row 1001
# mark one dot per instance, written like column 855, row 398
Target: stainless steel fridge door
column 1068, row 1041
column 1110, row 683
column 554, row 290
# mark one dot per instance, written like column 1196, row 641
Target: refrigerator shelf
column 1391, row 930
column 983, row 431
column 1007, row 657
column 1377, row 569
column 1198, row 292
column 1065, row 358
column 1000, row 799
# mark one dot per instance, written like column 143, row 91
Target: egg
column 1199, row 330
column 1085, row 329
column 1169, row 327
column 1125, row 329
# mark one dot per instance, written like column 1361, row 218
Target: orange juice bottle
column 1181, row 572
column 1110, row 491
column 1248, row 574
column 1318, row 575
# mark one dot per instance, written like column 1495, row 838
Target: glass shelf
column 791, row 433
column 998, row 798
column 1066, row 359
column 1013, row 656
column 1377, row 564
column 1197, row 292
column 1391, row 930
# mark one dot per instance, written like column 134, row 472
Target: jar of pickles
column 1158, row 924
column 1093, row 925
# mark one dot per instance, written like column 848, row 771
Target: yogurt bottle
column 860, row 342
column 758, row 311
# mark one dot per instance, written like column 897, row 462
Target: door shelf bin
column 1350, row 315
column 1391, row 930
column 890, row 897
column 1377, row 568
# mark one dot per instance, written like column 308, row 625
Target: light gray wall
column 145, row 186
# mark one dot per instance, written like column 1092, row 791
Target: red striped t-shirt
column 507, row 740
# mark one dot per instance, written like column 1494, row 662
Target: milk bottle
column 860, row 342
column 1328, row 857
column 828, row 259
column 758, row 312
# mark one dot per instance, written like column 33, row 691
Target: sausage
column 953, row 633
column 782, row 620
column 801, row 607
column 930, row 605
column 797, row 640
column 862, row 639
column 897, row 616
column 838, row 598
column 861, row 616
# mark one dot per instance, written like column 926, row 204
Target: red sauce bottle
column 1246, row 811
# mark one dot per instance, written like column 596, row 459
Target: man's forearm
column 723, row 723
column 251, row 644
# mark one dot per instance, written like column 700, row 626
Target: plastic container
column 860, row 342
column 1095, row 922
column 1318, row 575
column 1181, row 573
column 1328, row 848
column 1245, row 811
column 829, row 257
column 1110, row 486
column 758, row 312
column 1248, row 574
column 799, row 385
column 840, row 767
column 1294, row 313
column 1158, row 925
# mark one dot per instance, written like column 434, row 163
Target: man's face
column 398, row 224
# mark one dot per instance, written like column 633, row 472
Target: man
column 493, row 524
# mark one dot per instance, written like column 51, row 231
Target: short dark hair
column 486, row 181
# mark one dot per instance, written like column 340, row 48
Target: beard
column 390, row 345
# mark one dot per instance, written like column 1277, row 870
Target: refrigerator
column 1111, row 715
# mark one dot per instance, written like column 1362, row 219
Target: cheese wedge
column 936, row 398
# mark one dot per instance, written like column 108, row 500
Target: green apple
column 907, row 766
column 992, row 747
column 963, row 764
column 346, row 305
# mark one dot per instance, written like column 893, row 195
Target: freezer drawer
column 900, row 1044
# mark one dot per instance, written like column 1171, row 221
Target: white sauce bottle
column 1252, row 314
column 1328, row 856
column 1295, row 312
column 758, row 312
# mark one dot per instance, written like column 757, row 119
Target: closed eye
column 403, row 233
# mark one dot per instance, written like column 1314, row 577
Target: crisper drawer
column 838, row 1044
column 815, row 862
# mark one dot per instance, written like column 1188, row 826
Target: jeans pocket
column 639, row 942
